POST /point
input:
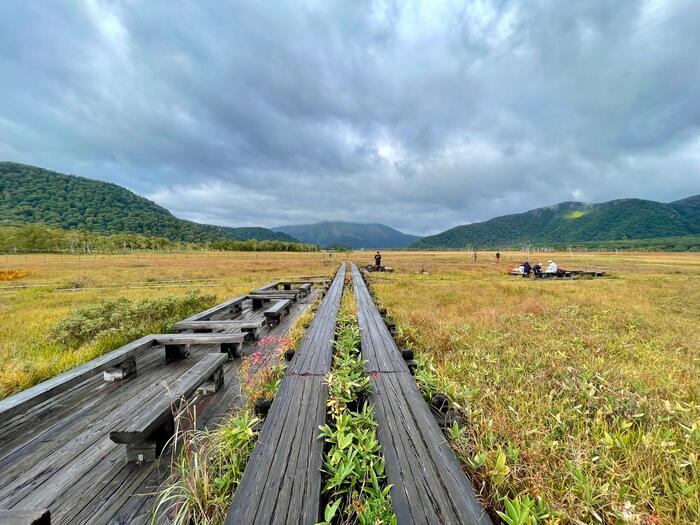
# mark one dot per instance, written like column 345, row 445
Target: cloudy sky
column 421, row 115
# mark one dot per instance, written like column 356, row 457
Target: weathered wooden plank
column 282, row 482
column 268, row 287
column 428, row 484
column 198, row 339
column 20, row 402
column 272, row 296
column 274, row 312
column 242, row 325
column 25, row 517
column 159, row 409
column 315, row 350
column 278, row 307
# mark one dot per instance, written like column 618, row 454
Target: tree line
column 40, row 238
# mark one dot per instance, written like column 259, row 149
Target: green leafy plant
column 206, row 471
column 523, row 511
column 354, row 479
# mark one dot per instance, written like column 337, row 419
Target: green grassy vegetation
column 34, row 195
column 354, row 481
column 27, row 315
column 124, row 320
column 580, row 400
column 206, row 470
column 92, row 330
column 685, row 243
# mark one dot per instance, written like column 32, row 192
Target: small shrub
column 262, row 374
column 116, row 320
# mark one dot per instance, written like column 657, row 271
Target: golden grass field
column 26, row 315
column 583, row 393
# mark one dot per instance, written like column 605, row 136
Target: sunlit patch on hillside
column 576, row 214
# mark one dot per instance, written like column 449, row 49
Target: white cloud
column 419, row 114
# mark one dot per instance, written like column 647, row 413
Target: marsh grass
column 28, row 355
column 582, row 398
column 89, row 331
column 205, row 472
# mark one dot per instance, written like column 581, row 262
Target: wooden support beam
column 121, row 371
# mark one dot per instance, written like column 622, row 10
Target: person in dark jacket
column 498, row 257
column 378, row 260
column 526, row 269
column 538, row 270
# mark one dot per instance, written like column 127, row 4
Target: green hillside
column 353, row 235
column 34, row 195
column 575, row 223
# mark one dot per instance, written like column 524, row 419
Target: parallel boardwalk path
column 282, row 482
column 428, row 484
column 55, row 446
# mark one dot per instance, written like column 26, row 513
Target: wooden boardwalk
column 428, row 484
column 56, row 453
column 282, row 482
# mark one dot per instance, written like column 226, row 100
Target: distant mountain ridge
column 350, row 234
column 575, row 222
column 29, row 194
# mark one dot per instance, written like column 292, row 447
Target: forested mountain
column 350, row 234
column 34, row 195
column 575, row 222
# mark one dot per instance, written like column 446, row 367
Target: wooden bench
column 149, row 430
column 282, row 480
column 267, row 288
column 25, row 517
column 176, row 344
column 273, row 315
column 260, row 298
column 427, row 481
column 231, row 307
column 251, row 327
column 303, row 289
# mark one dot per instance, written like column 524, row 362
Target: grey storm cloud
column 421, row 115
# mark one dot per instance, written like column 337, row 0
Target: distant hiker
column 474, row 254
column 526, row 269
column 498, row 257
column 378, row 260
column 552, row 268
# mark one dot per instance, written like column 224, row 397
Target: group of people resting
column 526, row 269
